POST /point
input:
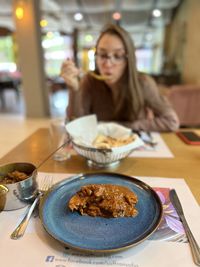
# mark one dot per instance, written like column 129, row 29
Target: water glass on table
column 59, row 136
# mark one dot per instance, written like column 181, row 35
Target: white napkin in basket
column 84, row 130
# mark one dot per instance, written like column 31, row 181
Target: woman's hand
column 149, row 114
column 70, row 73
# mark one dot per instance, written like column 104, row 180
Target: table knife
column 193, row 244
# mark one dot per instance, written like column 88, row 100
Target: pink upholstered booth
column 185, row 99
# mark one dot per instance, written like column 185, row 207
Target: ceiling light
column 19, row 11
column 156, row 13
column 43, row 23
column 78, row 16
column 116, row 16
column 88, row 38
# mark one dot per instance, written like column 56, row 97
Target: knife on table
column 193, row 244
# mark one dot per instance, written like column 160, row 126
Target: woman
column 121, row 93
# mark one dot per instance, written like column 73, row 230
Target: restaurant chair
column 185, row 99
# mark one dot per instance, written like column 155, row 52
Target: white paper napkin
column 85, row 129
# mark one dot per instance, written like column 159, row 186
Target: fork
column 93, row 74
column 45, row 185
column 146, row 137
column 98, row 76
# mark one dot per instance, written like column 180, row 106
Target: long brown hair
column 131, row 97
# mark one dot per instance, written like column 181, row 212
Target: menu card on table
column 167, row 247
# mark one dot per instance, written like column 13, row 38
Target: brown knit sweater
column 95, row 97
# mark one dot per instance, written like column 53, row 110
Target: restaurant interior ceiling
column 136, row 15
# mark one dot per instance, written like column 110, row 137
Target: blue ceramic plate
column 98, row 234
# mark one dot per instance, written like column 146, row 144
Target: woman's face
column 111, row 58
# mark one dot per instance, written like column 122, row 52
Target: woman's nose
column 108, row 62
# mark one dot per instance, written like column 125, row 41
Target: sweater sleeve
column 164, row 118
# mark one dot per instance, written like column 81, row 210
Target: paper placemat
column 161, row 150
column 37, row 248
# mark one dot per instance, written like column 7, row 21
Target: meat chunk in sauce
column 104, row 200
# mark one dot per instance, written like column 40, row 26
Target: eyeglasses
column 114, row 58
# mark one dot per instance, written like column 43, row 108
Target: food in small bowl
column 13, row 177
column 3, row 192
column 18, row 185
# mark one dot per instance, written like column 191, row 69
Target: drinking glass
column 59, row 136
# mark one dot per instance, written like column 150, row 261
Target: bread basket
column 84, row 130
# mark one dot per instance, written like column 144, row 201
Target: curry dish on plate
column 104, row 200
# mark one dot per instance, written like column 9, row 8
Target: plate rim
column 81, row 176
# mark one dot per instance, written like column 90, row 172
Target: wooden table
column 185, row 164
